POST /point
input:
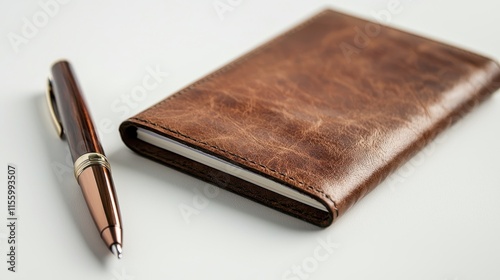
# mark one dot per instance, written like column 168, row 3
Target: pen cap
column 72, row 111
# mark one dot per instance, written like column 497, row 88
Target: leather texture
column 330, row 108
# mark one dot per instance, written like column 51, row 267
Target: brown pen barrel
column 92, row 169
column 74, row 116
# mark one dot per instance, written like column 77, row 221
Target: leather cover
column 330, row 109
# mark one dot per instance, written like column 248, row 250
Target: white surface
column 436, row 218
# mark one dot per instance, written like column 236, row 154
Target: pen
column 92, row 170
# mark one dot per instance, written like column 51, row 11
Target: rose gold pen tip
column 117, row 250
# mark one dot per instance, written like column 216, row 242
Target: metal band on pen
column 89, row 159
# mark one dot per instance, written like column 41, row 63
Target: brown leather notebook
column 313, row 120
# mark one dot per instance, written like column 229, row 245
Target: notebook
column 313, row 120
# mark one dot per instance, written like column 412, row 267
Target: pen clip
column 51, row 101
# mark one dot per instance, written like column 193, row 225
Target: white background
column 437, row 218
